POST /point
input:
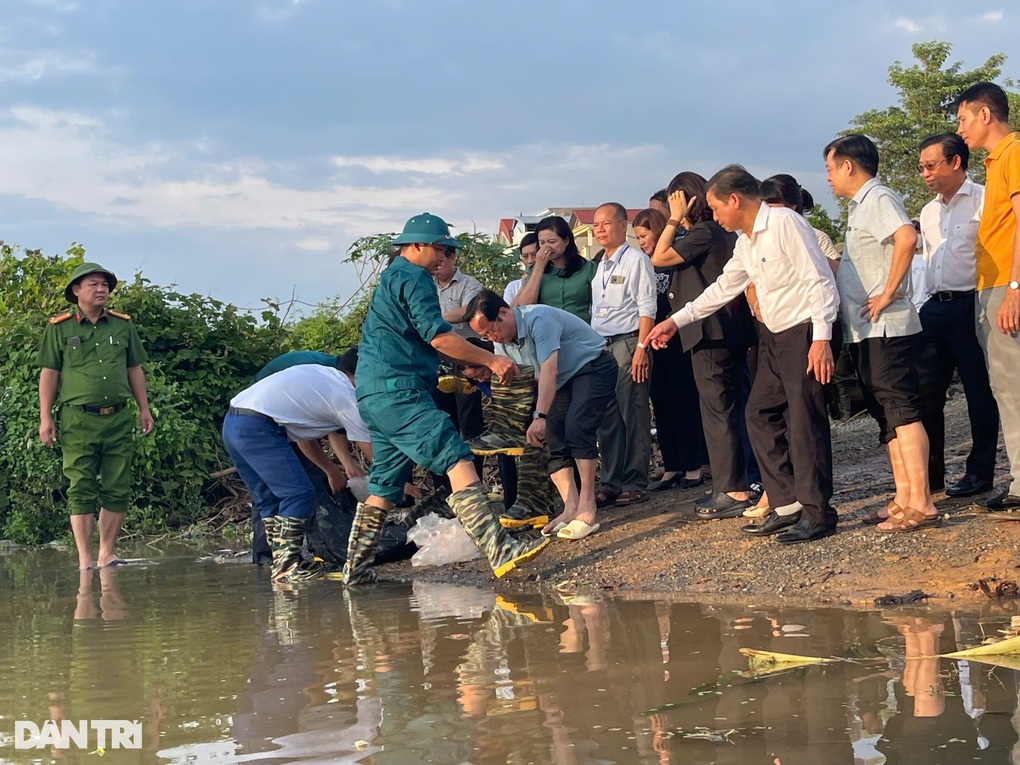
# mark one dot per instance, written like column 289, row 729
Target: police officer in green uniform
column 92, row 357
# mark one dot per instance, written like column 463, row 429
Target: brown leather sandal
column 908, row 520
column 873, row 519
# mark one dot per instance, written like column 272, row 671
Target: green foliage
column 927, row 91
column 820, row 219
column 490, row 262
column 330, row 328
column 201, row 352
column 335, row 327
column 479, row 255
column 31, row 288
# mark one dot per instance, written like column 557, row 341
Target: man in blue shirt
column 402, row 337
column 576, row 383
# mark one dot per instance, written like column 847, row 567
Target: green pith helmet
column 426, row 229
column 81, row 272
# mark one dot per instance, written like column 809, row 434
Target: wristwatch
column 538, row 416
column 1014, row 285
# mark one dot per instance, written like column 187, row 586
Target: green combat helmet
column 81, row 272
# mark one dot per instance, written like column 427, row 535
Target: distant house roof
column 506, row 230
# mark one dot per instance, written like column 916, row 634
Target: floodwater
column 217, row 666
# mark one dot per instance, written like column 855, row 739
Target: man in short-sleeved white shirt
column 296, row 405
column 623, row 305
column 880, row 322
column 948, row 340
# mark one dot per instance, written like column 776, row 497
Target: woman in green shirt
column 560, row 277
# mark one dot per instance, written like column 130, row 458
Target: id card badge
column 601, row 312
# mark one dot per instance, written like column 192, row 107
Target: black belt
column 102, row 411
column 614, row 338
column 947, row 296
column 251, row 413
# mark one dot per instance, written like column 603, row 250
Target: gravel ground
column 659, row 547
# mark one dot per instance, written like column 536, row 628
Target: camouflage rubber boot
column 433, row 503
column 510, row 415
column 537, row 498
column 270, row 525
column 512, row 613
column 455, row 384
column 288, row 563
column 363, row 543
column 503, row 551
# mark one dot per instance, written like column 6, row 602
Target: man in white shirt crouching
column 299, row 405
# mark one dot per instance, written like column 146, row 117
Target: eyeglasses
column 486, row 333
column 928, row 167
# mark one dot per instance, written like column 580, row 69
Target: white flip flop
column 577, row 529
column 555, row 530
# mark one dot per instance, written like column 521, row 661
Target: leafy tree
column 331, row 328
column 479, row 255
column 927, row 91
column 336, row 326
column 819, row 218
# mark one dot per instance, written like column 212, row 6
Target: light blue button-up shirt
column 542, row 330
column 875, row 214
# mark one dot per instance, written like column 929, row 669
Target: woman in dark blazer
column 718, row 344
column 673, row 392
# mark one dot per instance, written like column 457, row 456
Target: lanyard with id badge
column 612, row 284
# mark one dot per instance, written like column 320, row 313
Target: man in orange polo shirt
column 983, row 112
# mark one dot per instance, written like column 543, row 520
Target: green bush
column 201, row 352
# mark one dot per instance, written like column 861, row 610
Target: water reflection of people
column 117, row 690
column 455, row 674
column 586, row 615
column 926, row 729
column 921, row 678
column 111, row 604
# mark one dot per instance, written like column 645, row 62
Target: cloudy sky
column 237, row 147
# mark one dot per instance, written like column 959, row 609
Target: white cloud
column 25, row 66
column 60, row 6
column 937, row 24
column 907, row 25
column 276, row 11
column 72, row 162
column 993, row 16
column 430, row 166
column 313, row 244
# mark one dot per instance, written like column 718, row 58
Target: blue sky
column 236, row 148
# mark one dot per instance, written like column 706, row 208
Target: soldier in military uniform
column 398, row 359
column 92, row 357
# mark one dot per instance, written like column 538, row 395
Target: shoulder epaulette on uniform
column 118, row 314
column 60, row 318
